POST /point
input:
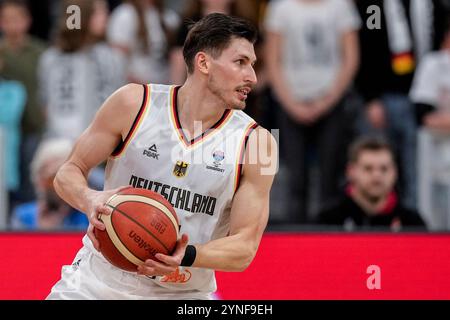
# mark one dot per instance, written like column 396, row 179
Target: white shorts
column 92, row 277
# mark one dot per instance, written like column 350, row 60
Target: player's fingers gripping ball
column 142, row 224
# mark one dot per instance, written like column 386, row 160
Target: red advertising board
column 287, row 266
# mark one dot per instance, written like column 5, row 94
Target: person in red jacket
column 370, row 198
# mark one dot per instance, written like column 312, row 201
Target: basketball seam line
column 126, row 247
column 157, row 200
column 119, row 244
column 139, row 224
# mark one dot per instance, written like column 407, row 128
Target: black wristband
column 189, row 256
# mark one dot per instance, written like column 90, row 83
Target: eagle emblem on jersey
column 180, row 169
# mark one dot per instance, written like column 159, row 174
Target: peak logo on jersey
column 177, row 276
column 152, row 152
column 180, row 169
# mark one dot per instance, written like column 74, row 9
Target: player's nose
column 250, row 76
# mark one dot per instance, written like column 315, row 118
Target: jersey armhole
column 122, row 144
column 242, row 155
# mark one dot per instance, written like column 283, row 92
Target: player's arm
column 249, row 215
column 98, row 141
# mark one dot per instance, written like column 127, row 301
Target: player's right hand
column 97, row 206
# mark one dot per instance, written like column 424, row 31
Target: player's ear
column 202, row 62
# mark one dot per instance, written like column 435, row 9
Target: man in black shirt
column 370, row 198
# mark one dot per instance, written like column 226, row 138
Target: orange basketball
column 142, row 224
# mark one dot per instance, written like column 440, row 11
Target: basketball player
column 149, row 135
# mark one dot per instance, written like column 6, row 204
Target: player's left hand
column 166, row 264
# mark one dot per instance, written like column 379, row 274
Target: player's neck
column 196, row 105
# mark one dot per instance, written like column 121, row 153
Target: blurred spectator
column 12, row 103
column 370, row 199
column 143, row 30
column 407, row 30
column 430, row 94
column 431, row 89
column 49, row 212
column 312, row 57
column 20, row 53
column 79, row 72
column 114, row 3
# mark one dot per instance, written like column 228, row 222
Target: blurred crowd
column 359, row 90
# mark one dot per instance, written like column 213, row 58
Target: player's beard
column 217, row 89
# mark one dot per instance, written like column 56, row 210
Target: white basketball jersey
column 198, row 177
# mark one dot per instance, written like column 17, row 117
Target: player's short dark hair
column 17, row 3
column 368, row 144
column 213, row 34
